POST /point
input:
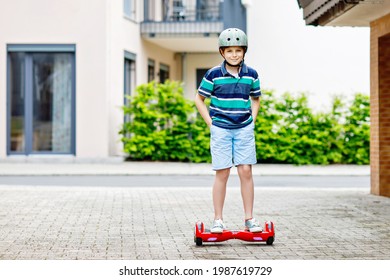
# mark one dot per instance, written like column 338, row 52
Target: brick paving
column 100, row 223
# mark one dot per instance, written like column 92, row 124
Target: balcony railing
column 177, row 29
column 182, row 18
column 183, row 10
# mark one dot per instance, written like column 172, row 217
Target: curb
column 171, row 168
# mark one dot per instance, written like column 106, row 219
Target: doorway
column 41, row 100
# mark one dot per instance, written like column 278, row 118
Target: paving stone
column 158, row 223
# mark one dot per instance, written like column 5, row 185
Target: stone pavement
column 156, row 223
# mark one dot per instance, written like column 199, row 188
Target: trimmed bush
column 165, row 126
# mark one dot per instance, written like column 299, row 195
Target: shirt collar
column 244, row 69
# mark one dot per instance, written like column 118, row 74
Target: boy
column 234, row 89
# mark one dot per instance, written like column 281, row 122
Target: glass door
column 41, row 106
column 16, row 102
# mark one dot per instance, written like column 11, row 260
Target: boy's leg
column 221, row 154
column 247, row 188
column 244, row 157
column 219, row 191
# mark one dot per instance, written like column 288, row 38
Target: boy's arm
column 255, row 107
column 202, row 108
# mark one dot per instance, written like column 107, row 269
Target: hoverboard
column 204, row 235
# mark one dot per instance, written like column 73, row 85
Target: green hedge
column 165, row 126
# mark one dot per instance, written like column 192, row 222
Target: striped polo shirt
column 230, row 105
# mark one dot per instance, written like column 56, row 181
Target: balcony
column 186, row 25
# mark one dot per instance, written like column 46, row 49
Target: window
column 164, row 72
column 129, row 78
column 178, row 10
column 151, row 70
column 150, row 10
column 41, row 94
column 199, row 75
column 129, row 73
column 129, row 9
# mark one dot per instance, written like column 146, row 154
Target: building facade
column 68, row 65
column 376, row 15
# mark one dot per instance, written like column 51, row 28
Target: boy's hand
column 255, row 107
column 202, row 108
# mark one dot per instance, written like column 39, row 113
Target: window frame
column 151, row 65
column 129, row 81
column 130, row 9
column 164, row 68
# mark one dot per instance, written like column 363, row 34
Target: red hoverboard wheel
column 201, row 235
column 199, row 228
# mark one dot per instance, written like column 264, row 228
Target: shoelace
column 253, row 223
column 218, row 224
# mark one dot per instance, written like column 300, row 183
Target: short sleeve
column 255, row 88
column 206, row 86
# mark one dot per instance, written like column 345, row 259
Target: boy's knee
column 244, row 170
column 223, row 173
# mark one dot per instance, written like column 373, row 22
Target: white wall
column 124, row 35
column 101, row 34
column 64, row 22
column 195, row 61
column 290, row 56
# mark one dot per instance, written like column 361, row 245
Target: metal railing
column 184, row 28
column 182, row 18
column 184, row 10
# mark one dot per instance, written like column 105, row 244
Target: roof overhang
column 186, row 44
column 343, row 12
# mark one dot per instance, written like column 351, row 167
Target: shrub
column 165, row 126
column 357, row 131
column 159, row 126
